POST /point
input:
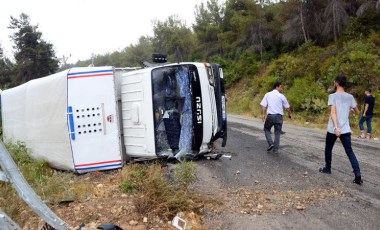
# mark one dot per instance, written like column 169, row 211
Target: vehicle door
column 93, row 119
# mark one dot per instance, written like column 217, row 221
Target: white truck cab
column 173, row 110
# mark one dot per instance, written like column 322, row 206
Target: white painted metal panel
column 93, row 119
column 137, row 114
column 35, row 114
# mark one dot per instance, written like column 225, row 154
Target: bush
column 184, row 174
column 154, row 194
column 307, row 95
column 51, row 185
column 133, row 179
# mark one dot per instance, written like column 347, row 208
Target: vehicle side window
column 210, row 76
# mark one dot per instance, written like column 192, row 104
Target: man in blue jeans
column 273, row 104
column 340, row 104
column 367, row 115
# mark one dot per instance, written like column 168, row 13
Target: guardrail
column 7, row 223
column 13, row 175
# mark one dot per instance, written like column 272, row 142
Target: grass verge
column 160, row 195
column 51, row 185
column 154, row 190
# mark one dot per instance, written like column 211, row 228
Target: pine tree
column 34, row 57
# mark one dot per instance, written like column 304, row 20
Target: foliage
column 374, row 38
column 34, row 57
column 132, row 181
column 184, row 174
column 208, row 25
column 52, row 186
column 154, row 192
column 37, row 171
column 172, row 37
column 230, row 73
column 6, row 73
column 306, row 95
column 367, row 22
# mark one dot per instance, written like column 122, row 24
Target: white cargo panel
column 35, row 114
column 137, row 114
column 93, row 119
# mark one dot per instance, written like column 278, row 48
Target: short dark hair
column 369, row 90
column 276, row 84
column 341, row 80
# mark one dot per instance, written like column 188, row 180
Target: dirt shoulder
column 285, row 191
column 251, row 189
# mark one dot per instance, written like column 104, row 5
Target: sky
column 79, row 28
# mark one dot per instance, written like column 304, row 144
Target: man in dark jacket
column 369, row 104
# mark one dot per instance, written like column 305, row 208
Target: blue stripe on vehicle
column 99, row 167
column 90, row 72
column 71, row 122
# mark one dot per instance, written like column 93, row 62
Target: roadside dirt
column 108, row 205
column 251, row 189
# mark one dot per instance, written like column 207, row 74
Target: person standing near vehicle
column 340, row 104
column 272, row 113
column 369, row 103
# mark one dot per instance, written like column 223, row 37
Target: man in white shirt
column 272, row 113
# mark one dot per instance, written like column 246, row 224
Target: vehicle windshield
column 172, row 106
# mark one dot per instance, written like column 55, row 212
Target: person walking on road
column 340, row 104
column 272, row 113
column 369, row 103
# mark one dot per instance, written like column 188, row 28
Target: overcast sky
column 82, row 27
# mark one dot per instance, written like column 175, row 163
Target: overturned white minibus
column 97, row 118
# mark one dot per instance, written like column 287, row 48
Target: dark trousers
column 368, row 120
column 275, row 120
column 346, row 142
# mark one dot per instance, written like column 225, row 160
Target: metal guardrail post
column 7, row 223
column 3, row 177
column 26, row 192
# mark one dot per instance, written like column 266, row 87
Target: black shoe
column 358, row 180
column 282, row 132
column 325, row 170
column 270, row 148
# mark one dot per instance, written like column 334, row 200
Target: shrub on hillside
column 306, row 95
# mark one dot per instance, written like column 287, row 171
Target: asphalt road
column 260, row 190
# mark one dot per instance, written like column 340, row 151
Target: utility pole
column 64, row 60
column 92, row 59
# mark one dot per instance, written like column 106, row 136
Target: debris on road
column 179, row 223
column 226, row 156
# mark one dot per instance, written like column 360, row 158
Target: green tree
column 174, row 38
column 241, row 16
column 208, row 22
column 336, row 18
column 135, row 54
column 6, row 67
column 367, row 21
column 295, row 28
column 34, row 57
